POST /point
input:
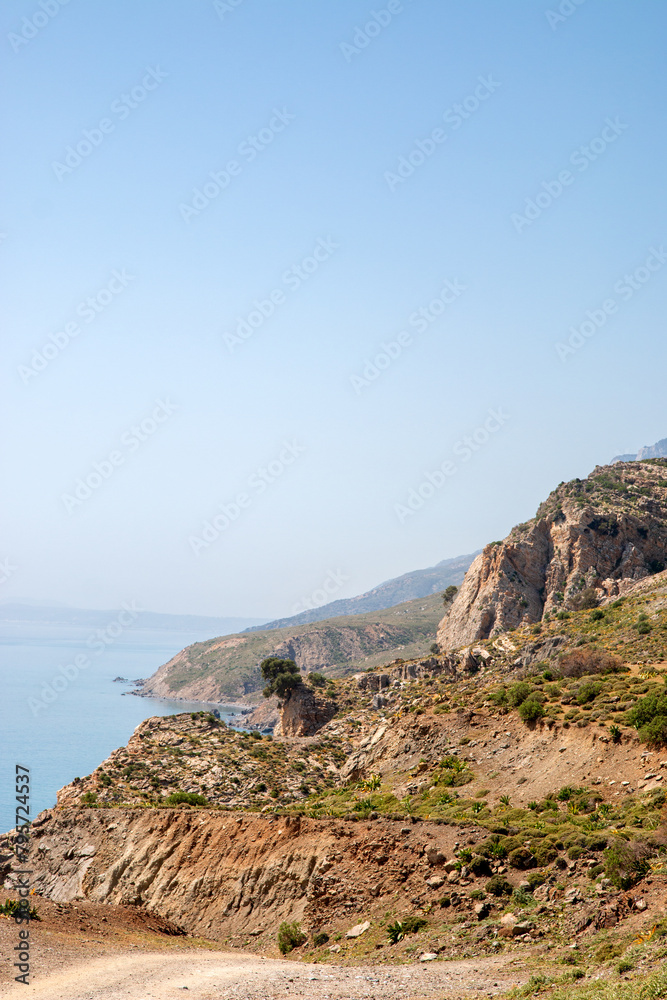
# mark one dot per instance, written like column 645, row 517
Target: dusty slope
column 229, row 666
column 605, row 532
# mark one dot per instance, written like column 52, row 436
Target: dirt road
column 224, row 976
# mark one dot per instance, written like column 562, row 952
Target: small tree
column 282, row 676
column 449, row 595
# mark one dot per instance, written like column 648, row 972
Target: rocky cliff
column 596, row 536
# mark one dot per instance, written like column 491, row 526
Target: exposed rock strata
column 604, row 533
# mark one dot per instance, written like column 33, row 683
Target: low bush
column 580, row 662
column 320, row 938
column 649, row 717
column 588, row 691
column 531, row 710
column 290, row 936
column 625, row 863
column 189, row 798
column 517, row 693
column 410, row 925
column 521, row 858
column 499, row 886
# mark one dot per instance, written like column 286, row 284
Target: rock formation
column 596, row 536
column 303, row 713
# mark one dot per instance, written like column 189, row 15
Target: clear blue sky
column 315, row 118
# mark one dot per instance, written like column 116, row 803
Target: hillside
column 589, row 541
column 228, row 667
column 535, row 836
column 408, row 587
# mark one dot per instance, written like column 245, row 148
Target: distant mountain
column 409, row 587
column 42, row 614
column 657, row 450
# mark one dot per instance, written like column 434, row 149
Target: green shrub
column 290, row 936
column 649, row 716
column 317, row 680
column 626, row 863
column 479, row 865
column 499, row 886
column 521, row 858
column 596, row 615
column 518, row 693
column 320, row 938
column 190, row 798
column 410, row 925
column 531, row 710
column 544, row 853
column 89, row 798
column 588, row 691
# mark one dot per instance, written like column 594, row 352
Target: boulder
column 358, row 929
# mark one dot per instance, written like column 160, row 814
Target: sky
column 309, row 293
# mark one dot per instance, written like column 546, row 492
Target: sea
column 61, row 721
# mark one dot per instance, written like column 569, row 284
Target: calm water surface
column 89, row 717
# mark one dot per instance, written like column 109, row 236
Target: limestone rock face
column 304, row 713
column 605, row 533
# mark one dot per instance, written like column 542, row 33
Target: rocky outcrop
column 220, row 875
column 599, row 535
column 303, row 713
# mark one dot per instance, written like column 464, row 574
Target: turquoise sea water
column 88, row 715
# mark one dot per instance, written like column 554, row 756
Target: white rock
column 358, row 930
column 428, row 956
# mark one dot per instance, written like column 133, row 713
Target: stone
column 481, row 910
column 517, row 581
column 450, row 866
column 453, row 878
column 435, row 857
column 641, row 905
column 428, row 956
column 358, row 929
column 435, row 882
column 335, row 948
column 524, row 927
column 303, row 713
